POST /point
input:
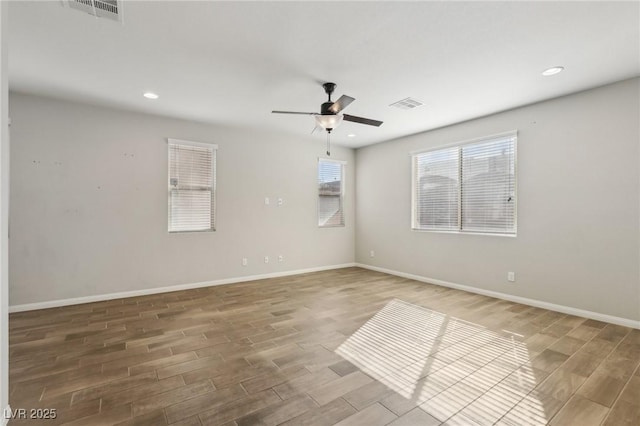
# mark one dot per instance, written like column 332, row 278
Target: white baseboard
column 6, row 415
column 525, row 301
column 157, row 290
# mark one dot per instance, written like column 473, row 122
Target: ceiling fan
column 330, row 115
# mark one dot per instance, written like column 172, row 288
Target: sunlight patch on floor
column 455, row 370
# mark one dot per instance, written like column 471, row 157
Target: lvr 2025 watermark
column 30, row 413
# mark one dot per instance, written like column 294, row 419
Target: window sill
column 490, row 234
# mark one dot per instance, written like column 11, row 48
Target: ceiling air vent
column 407, row 103
column 110, row 9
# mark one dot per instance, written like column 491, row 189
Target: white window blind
column 192, row 186
column 470, row 187
column 488, row 186
column 330, row 193
column 436, row 189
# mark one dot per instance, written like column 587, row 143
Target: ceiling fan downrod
column 325, row 108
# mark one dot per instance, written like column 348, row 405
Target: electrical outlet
column 266, row 201
column 280, row 258
column 372, row 253
column 245, row 261
column 511, row 276
column 266, row 259
column 280, row 201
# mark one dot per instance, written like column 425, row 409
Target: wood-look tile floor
column 347, row 347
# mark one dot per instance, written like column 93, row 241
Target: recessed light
column 150, row 95
column 351, row 135
column 552, row 71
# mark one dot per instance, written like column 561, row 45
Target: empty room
column 319, row 213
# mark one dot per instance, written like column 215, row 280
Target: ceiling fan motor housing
column 324, row 109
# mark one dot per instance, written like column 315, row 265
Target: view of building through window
column 330, row 193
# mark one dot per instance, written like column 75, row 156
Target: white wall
column 4, row 214
column 89, row 203
column 578, row 241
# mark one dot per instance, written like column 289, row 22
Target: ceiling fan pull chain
column 329, row 144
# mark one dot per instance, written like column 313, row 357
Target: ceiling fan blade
column 341, row 103
column 361, row 120
column 293, row 112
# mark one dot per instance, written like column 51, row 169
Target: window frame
column 213, row 213
column 343, row 165
column 459, row 145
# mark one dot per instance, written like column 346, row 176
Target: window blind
column 330, row 193
column 191, row 186
column 488, row 186
column 470, row 187
column 436, row 189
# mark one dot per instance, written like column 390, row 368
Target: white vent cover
column 110, row 9
column 407, row 103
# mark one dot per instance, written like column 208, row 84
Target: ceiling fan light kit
column 329, row 117
column 329, row 122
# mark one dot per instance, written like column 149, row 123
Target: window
column 192, row 186
column 330, row 193
column 468, row 188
